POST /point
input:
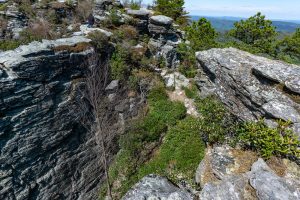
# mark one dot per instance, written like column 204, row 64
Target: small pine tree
column 256, row 31
column 288, row 49
column 201, row 35
column 173, row 9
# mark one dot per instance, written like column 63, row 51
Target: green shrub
column 136, row 143
column 26, row 8
column 100, row 41
column 288, row 49
column 278, row 141
column 9, row 44
column 189, row 70
column 115, row 18
column 218, row 125
column 192, row 91
column 157, row 94
column 180, row 153
column 118, row 67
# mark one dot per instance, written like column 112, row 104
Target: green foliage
column 201, row 35
column 3, row 6
column 217, row 123
column 288, row 49
column 180, row 153
column 26, row 36
column 9, row 44
column 115, row 17
column 136, row 143
column 118, row 66
column 256, row 31
column 173, row 9
column 100, row 41
column 135, row 4
column 278, row 141
column 192, row 91
column 25, row 6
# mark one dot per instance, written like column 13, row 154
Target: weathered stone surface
column 222, row 161
column 161, row 20
column 230, row 188
column 176, row 79
column 165, row 40
column 45, row 152
column 141, row 14
column 85, row 30
column 16, row 22
column 251, row 86
column 270, row 186
column 156, row 187
column 114, row 85
column 281, row 111
column 227, row 173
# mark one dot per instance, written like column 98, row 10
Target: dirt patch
column 244, row 160
column 277, row 165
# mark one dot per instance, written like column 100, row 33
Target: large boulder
column 141, row 18
column 161, row 20
column 252, row 87
column 268, row 185
column 156, row 187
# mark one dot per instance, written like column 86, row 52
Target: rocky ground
column 47, row 154
column 227, row 173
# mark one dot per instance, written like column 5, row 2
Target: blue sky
column 273, row 9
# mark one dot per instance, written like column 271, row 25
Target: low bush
column 9, row 44
column 140, row 139
column 118, row 67
column 218, row 125
column 100, row 41
column 180, row 153
column 192, row 91
column 279, row 141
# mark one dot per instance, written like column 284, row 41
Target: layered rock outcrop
column 16, row 22
column 45, row 151
column 164, row 38
column 252, row 87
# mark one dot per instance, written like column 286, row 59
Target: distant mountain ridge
column 226, row 23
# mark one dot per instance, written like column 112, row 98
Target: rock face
column 252, row 86
column 16, row 22
column 165, row 40
column 227, row 173
column 45, row 151
column 156, row 187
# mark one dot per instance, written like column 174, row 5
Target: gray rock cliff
column 251, row 86
column 45, row 153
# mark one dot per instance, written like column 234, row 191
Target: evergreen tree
column 288, row 49
column 173, row 9
column 201, row 35
column 256, row 31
